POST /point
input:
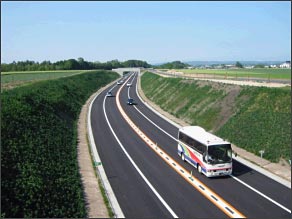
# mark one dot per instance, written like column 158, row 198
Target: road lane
column 240, row 170
column 284, row 197
column 135, row 198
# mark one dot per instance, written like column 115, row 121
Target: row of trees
column 70, row 64
column 174, row 65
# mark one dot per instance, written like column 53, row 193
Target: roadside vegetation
column 173, row 65
column 70, row 64
column 272, row 73
column 39, row 167
column 254, row 118
column 11, row 80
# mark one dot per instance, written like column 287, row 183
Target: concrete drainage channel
column 97, row 163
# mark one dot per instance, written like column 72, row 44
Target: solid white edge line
column 100, row 170
column 245, row 184
column 153, row 110
column 238, row 158
column 196, row 183
column 155, row 124
column 148, row 118
column 137, row 168
column 263, row 195
column 263, row 171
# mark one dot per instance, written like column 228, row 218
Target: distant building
column 218, row 66
column 273, row 66
column 231, row 66
column 286, row 64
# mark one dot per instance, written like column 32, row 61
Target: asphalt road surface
column 149, row 183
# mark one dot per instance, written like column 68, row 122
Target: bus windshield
column 219, row 154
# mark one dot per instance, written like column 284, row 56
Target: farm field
column 12, row 79
column 253, row 73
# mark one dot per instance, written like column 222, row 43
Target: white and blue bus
column 210, row 154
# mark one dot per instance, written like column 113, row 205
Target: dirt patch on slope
column 227, row 106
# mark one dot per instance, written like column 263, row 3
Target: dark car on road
column 120, row 82
column 109, row 94
column 130, row 101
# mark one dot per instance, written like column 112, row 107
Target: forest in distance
column 70, row 64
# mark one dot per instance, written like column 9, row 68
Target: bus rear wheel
column 183, row 156
column 199, row 168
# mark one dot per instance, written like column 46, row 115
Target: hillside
column 39, row 168
column 253, row 118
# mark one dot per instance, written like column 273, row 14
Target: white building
column 286, row 64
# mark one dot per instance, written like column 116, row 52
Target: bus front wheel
column 183, row 156
column 199, row 168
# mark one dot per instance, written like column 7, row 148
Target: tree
column 238, row 65
column 259, row 66
column 174, row 65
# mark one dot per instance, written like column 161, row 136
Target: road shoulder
column 95, row 205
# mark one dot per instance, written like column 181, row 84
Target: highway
column 138, row 150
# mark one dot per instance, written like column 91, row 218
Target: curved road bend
column 172, row 196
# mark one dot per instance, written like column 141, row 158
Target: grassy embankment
column 254, row 118
column 39, row 167
column 14, row 79
column 261, row 73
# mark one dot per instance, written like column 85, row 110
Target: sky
column 151, row 31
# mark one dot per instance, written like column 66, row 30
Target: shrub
column 39, row 169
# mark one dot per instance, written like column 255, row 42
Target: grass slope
column 254, row 73
column 39, row 167
column 13, row 79
column 253, row 118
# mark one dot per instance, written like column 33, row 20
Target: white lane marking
column 208, row 193
column 133, row 78
column 150, row 119
column 263, row 195
column 238, row 180
column 130, row 86
column 154, row 111
column 112, row 88
column 137, row 168
column 100, row 170
column 155, row 124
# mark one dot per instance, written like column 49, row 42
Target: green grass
column 105, row 199
column 262, row 123
column 258, row 118
column 100, row 185
column 184, row 100
column 254, row 73
column 39, row 168
column 8, row 77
